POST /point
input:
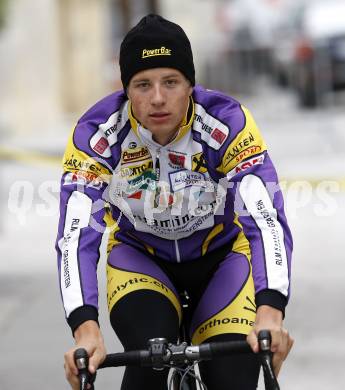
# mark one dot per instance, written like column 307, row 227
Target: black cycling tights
column 146, row 314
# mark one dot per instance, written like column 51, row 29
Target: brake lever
column 81, row 359
column 265, row 339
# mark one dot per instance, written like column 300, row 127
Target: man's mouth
column 159, row 116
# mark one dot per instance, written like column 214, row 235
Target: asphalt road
column 305, row 145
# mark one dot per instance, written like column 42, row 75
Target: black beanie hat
column 155, row 43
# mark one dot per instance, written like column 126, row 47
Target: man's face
column 160, row 99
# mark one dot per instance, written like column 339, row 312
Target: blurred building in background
column 28, row 72
column 59, row 56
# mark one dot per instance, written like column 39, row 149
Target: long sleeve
column 259, row 207
column 81, row 224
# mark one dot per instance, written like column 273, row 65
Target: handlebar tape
column 223, row 348
column 131, row 358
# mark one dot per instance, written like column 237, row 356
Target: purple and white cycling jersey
column 178, row 202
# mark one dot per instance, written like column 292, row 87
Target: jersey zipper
column 157, row 165
column 177, row 251
column 157, row 177
column 157, row 195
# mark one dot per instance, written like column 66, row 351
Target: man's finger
column 286, row 344
column 72, row 379
column 277, row 366
column 277, row 338
column 252, row 340
column 69, row 360
column 291, row 342
column 282, row 352
column 95, row 360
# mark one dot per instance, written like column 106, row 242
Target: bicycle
column 181, row 357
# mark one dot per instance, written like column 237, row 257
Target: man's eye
column 143, row 85
column 171, row 82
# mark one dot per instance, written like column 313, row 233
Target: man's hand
column 271, row 319
column 88, row 336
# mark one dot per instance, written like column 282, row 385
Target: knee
column 141, row 315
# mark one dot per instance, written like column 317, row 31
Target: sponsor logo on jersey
column 236, row 147
column 204, row 126
column 136, row 154
column 109, row 131
column 132, row 145
column 255, row 149
column 219, row 321
column 246, row 165
column 116, row 119
column 162, row 51
column 270, row 220
column 84, row 179
column 76, row 164
column 199, row 163
column 101, row 145
column 182, row 179
column 145, row 181
column 212, row 131
column 75, row 226
column 218, row 135
column 183, row 225
column 176, row 161
column 248, row 142
column 131, row 171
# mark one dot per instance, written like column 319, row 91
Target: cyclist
column 181, row 178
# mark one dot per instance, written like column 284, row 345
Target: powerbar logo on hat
column 163, row 51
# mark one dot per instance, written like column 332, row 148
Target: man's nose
column 158, row 97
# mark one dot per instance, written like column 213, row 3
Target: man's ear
column 190, row 88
